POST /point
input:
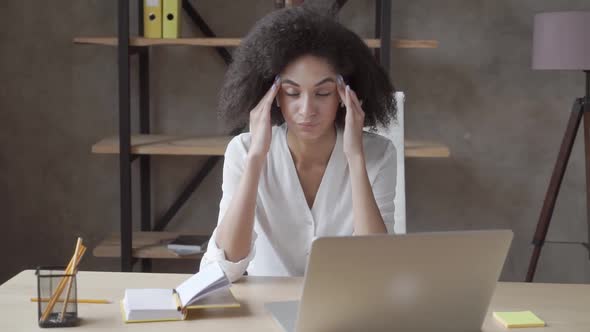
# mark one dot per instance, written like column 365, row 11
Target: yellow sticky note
column 518, row 319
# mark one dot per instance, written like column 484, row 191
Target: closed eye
column 319, row 94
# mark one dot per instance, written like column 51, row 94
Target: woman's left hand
column 354, row 122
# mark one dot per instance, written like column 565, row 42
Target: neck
column 311, row 152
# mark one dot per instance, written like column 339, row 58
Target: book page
column 150, row 305
column 150, row 299
column 210, row 278
column 221, row 298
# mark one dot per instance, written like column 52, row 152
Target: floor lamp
column 561, row 41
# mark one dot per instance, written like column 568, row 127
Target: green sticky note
column 519, row 319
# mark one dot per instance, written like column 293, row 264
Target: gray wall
column 476, row 93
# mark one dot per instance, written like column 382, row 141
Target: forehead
column 308, row 70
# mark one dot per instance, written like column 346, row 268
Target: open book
column 209, row 288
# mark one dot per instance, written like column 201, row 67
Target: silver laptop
column 416, row 282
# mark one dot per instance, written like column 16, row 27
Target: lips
column 307, row 126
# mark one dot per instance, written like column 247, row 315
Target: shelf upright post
column 124, row 135
column 145, row 190
column 383, row 32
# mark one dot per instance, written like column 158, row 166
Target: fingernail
column 347, row 87
column 277, row 78
column 340, row 79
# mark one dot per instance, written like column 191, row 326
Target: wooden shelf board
column 425, row 149
column 215, row 146
column 166, row 145
column 230, row 42
column 145, row 245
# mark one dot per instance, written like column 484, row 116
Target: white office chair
column 395, row 132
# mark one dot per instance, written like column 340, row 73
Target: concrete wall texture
column 476, row 93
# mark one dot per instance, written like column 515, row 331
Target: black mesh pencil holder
column 63, row 310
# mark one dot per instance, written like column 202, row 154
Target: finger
column 270, row 93
column 341, row 88
column 355, row 101
column 267, row 107
column 347, row 102
column 273, row 91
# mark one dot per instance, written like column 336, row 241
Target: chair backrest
column 395, row 132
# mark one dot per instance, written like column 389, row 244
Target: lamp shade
column 561, row 40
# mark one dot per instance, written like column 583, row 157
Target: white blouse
column 284, row 225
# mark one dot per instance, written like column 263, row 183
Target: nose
column 308, row 110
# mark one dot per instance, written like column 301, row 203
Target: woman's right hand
column 260, row 127
column 235, row 231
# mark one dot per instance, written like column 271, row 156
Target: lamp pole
column 580, row 110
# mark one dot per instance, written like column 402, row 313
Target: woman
column 315, row 172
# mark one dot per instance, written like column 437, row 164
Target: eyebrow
column 325, row 80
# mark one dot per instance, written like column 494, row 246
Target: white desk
column 564, row 307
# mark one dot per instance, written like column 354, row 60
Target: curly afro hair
column 287, row 34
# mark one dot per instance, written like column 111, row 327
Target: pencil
column 73, row 263
column 69, row 282
column 91, row 301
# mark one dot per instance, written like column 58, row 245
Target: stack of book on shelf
column 189, row 244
